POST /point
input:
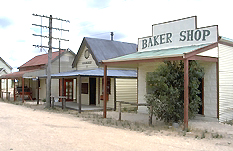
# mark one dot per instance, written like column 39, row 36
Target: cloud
column 98, row 4
column 5, row 22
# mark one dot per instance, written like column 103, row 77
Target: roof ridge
column 109, row 40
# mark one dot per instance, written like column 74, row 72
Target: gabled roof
column 37, row 60
column 41, row 59
column 102, row 49
column 6, row 63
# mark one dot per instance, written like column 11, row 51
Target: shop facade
column 182, row 40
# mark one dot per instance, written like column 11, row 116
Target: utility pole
column 48, row 80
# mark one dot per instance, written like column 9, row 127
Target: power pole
column 48, row 80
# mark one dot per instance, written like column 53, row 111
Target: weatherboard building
column 182, row 40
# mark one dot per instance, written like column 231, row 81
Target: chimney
column 111, row 36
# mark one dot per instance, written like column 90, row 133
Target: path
column 26, row 129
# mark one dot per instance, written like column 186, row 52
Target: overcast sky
column 128, row 19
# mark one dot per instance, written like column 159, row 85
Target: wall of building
column 42, row 91
column 33, row 86
column 210, row 86
column 110, row 102
column 84, row 97
column 225, row 83
column 143, row 68
column 7, row 70
column 35, row 73
column 85, row 64
column 210, row 89
column 65, row 63
column 126, row 90
column 211, row 53
column 55, row 88
column 3, row 65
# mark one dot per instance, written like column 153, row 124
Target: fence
column 136, row 104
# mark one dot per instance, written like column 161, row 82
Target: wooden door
column 68, row 86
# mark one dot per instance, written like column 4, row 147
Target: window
column 108, row 85
column 84, row 88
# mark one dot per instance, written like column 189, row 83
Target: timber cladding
column 225, row 82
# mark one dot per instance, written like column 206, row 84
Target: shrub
column 166, row 87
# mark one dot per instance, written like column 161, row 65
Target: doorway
column 92, row 91
column 68, row 86
column 201, row 95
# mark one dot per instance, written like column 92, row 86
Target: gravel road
column 27, row 129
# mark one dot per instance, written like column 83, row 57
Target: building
column 28, row 74
column 84, row 85
column 182, row 40
column 5, row 68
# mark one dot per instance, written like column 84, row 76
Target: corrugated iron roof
column 96, row 73
column 107, row 49
column 102, row 49
column 15, row 75
column 40, row 59
column 225, row 38
column 171, row 52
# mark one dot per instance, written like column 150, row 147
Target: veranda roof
column 96, row 73
column 162, row 53
column 16, row 75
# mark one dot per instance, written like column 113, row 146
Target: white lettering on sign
column 178, row 33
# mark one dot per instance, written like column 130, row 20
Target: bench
column 27, row 92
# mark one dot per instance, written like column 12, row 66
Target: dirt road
column 27, row 129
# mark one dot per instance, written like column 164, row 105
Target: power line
column 52, row 28
column 48, row 83
column 48, row 37
column 51, row 17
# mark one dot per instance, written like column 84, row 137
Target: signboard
column 178, row 33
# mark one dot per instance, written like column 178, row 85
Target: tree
column 165, row 90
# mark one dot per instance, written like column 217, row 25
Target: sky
column 128, row 19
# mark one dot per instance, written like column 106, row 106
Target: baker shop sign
column 178, row 33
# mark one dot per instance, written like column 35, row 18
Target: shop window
column 108, row 85
column 84, row 88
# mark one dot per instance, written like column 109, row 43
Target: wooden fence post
column 119, row 111
column 52, row 103
column 63, row 103
column 150, row 115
